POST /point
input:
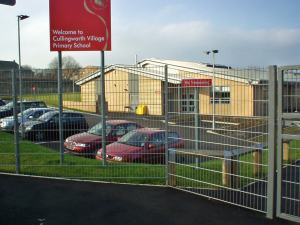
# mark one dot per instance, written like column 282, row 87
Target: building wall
column 150, row 94
column 116, row 90
column 88, row 92
column 241, row 97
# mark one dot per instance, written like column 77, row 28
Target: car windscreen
column 8, row 106
column 134, row 138
column 47, row 116
column 97, row 129
column 26, row 113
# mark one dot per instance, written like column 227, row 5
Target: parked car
column 7, row 123
column 46, row 127
column 87, row 143
column 142, row 145
column 2, row 102
column 7, row 110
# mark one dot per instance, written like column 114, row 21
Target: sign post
column 81, row 25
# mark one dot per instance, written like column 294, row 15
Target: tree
column 70, row 66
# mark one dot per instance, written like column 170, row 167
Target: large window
column 222, row 95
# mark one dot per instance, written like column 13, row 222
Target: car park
column 87, row 143
column 7, row 123
column 7, row 110
column 46, row 127
column 142, row 145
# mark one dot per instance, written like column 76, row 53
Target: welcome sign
column 80, row 25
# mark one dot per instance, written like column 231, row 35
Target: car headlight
column 117, row 158
column 82, row 145
column 3, row 123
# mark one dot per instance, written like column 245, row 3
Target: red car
column 142, row 145
column 87, row 143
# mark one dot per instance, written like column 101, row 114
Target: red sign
column 196, row 83
column 80, row 25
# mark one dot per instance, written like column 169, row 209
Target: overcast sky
column 246, row 32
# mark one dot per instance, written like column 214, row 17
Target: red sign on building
column 80, row 25
column 196, row 83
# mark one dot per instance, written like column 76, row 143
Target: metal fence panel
column 7, row 142
column 164, row 125
column 225, row 135
column 288, row 198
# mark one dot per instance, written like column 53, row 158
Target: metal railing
column 218, row 143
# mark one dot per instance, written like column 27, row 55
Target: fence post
column 16, row 124
column 272, row 115
column 166, row 123
column 103, row 114
column 60, row 108
column 196, row 117
column 172, row 168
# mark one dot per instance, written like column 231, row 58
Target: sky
column 247, row 33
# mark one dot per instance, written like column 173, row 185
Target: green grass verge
column 42, row 161
column 51, row 99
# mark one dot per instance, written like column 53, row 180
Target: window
column 118, row 130
column 222, row 95
column 157, row 139
column 131, row 127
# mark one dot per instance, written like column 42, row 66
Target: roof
column 8, row 65
column 179, row 70
column 149, row 130
column 116, row 122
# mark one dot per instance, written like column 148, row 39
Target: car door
column 68, row 124
column 156, row 148
column 52, row 128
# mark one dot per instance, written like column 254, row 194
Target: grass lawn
column 51, row 99
column 42, row 161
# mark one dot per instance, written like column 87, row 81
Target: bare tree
column 70, row 66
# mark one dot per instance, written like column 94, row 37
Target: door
column 188, row 100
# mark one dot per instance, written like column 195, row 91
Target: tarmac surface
column 41, row 201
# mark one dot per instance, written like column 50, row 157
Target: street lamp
column 20, row 17
column 215, row 51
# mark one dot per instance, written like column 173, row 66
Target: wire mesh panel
column 221, row 116
column 134, row 114
column 289, row 144
column 7, row 153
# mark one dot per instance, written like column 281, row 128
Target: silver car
column 7, row 123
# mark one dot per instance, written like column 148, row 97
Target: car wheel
column 39, row 136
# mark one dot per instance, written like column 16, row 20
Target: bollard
column 230, row 168
column 286, row 150
column 257, row 160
